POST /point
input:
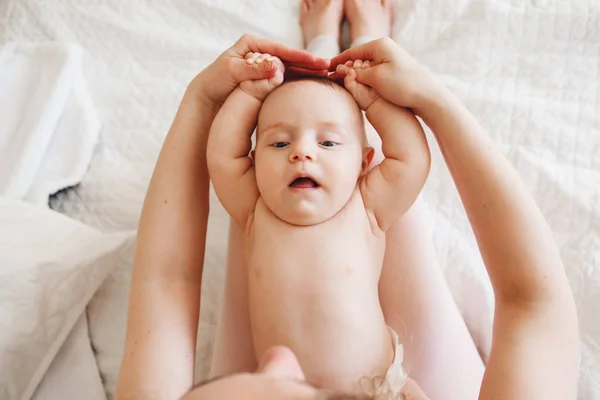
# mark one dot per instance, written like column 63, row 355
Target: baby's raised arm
column 229, row 165
column 390, row 188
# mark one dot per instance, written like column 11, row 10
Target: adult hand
column 392, row 72
column 218, row 80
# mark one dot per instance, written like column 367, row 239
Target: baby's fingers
column 251, row 57
column 342, row 70
column 276, row 80
column 350, row 81
column 243, row 70
column 363, row 74
column 262, row 58
column 363, row 94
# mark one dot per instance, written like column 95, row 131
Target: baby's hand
column 364, row 95
column 260, row 89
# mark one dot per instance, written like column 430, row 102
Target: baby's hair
column 323, row 80
column 319, row 79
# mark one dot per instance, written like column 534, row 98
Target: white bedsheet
column 528, row 69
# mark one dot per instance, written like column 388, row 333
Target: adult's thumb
column 366, row 76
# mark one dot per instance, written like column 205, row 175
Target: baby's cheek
column 347, row 172
column 267, row 174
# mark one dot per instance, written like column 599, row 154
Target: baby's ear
column 368, row 154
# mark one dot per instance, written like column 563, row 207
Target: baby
column 315, row 201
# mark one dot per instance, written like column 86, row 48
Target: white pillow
column 73, row 374
column 50, row 266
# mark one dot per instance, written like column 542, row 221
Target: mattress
column 528, row 69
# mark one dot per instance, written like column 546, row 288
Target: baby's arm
column 390, row 188
column 230, row 167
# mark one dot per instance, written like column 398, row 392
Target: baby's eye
column 327, row 143
column 280, row 145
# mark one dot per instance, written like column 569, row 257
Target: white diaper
column 395, row 375
column 390, row 387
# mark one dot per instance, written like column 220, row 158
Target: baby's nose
column 302, row 152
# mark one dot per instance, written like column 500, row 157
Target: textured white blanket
column 528, row 69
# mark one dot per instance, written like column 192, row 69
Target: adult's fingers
column 366, row 76
column 336, row 77
column 296, row 72
column 300, row 58
column 374, row 50
column 303, row 66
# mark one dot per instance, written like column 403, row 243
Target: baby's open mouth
column 304, row 182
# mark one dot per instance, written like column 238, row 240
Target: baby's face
column 310, row 151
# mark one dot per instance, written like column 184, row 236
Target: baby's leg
column 439, row 353
column 233, row 349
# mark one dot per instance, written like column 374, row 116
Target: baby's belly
column 326, row 309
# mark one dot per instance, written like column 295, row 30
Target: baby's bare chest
column 345, row 244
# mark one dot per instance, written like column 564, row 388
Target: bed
column 528, row 69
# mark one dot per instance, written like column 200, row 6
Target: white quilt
column 528, row 69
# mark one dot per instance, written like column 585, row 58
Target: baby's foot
column 369, row 18
column 321, row 17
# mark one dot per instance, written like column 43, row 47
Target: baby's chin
column 303, row 213
column 303, row 217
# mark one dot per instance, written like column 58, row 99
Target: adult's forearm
column 172, row 227
column 519, row 252
column 167, row 271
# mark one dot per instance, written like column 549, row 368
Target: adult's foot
column 369, row 18
column 321, row 17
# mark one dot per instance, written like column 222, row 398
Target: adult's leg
column 320, row 21
column 439, row 353
column 233, row 349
